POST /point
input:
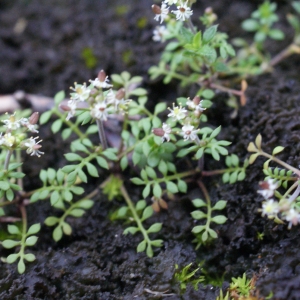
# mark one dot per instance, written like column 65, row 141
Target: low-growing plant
column 281, row 187
column 148, row 143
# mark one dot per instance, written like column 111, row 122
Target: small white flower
column 12, row 123
column 160, row 12
column 167, row 130
column 192, row 104
column 72, row 105
column 183, row 12
column 170, row 2
column 81, row 92
column 189, row 133
column 268, row 188
column 33, row 147
column 100, row 111
column 159, row 33
column 26, row 123
column 177, row 112
column 293, row 217
column 101, row 84
column 270, row 208
column 8, row 140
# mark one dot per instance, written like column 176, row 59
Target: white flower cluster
column 100, row 103
column 182, row 13
column 182, row 115
column 15, row 140
column 271, row 208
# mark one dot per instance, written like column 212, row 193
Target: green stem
column 135, row 215
column 7, row 159
column 101, row 133
column 70, row 124
column 280, row 162
column 208, row 202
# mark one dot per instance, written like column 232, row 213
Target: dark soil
column 97, row 261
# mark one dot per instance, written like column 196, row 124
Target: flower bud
column 156, row 9
column 120, row 94
column 33, row 119
column 196, row 100
column 102, row 76
column 65, row 107
column 158, row 131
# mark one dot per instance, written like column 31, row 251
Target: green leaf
column 219, row 219
column 85, row 204
column 82, row 176
column 250, row 25
column 199, row 203
column 172, row 187
column 122, row 211
column 141, row 246
column 55, row 196
column 163, row 167
column 59, row 97
column 67, row 169
column 77, row 212
column 35, row 197
column 241, row 176
column 153, row 159
column 12, row 258
column 77, row 190
column 146, row 191
column 198, row 228
column 277, row 150
column 8, row 244
column 57, row 233
column 209, row 33
column 147, row 213
column 221, row 204
column 156, row 227
column 132, row 230
column 13, row 229
column 29, row 257
column 45, row 117
column 33, row 229
column 124, row 163
column 73, row 157
column 149, row 251
column 137, row 181
column 157, row 243
column 204, row 236
column 67, row 229
column 157, row 191
column 21, row 266
column 30, row 241
column 160, row 107
column 140, row 205
column 198, row 214
column 102, row 162
column 212, row 233
column 92, row 170
column 56, row 126
column 276, row 34
column 66, row 133
column 136, row 157
column 182, row 186
column 225, row 177
column 150, row 172
column 51, row 221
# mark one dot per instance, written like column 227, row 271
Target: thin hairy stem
column 101, row 133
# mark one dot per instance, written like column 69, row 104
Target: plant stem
column 291, row 49
column 280, row 162
column 134, row 214
column 101, row 133
column 191, row 26
column 7, row 159
column 296, row 192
